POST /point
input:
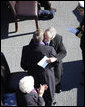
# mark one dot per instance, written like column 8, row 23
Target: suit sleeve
column 53, row 54
column 41, row 101
column 61, row 51
column 34, row 100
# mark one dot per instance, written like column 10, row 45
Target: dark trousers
column 58, row 71
column 45, row 4
column 83, row 58
column 82, row 48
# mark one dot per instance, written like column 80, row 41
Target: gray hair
column 38, row 36
column 52, row 30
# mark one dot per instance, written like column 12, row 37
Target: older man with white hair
column 51, row 38
column 27, row 94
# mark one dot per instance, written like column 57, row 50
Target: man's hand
column 52, row 59
column 42, row 89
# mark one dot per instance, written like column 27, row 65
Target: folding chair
column 25, row 9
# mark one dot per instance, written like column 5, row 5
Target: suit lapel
column 52, row 43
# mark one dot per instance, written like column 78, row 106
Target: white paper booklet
column 43, row 63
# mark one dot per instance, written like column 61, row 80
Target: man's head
column 49, row 34
column 81, row 8
column 26, row 84
column 38, row 36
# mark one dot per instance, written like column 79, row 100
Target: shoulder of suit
column 26, row 46
column 50, row 47
column 47, row 47
column 57, row 37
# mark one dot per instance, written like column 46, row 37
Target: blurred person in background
column 80, row 32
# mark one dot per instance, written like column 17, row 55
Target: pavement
column 66, row 16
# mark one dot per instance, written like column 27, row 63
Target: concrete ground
column 66, row 16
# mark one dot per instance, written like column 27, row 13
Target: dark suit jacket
column 58, row 45
column 31, row 55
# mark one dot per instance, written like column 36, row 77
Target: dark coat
column 5, row 64
column 82, row 47
column 5, row 74
column 29, row 99
column 31, row 55
column 58, row 45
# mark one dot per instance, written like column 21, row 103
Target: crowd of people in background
column 40, row 84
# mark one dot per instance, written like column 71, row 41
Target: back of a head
column 26, row 84
column 38, row 36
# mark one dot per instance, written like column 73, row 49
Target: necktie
column 46, row 43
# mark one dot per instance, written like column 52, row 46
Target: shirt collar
column 47, row 43
column 41, row 43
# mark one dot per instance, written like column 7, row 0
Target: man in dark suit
column 31, row 55
column 55, row 41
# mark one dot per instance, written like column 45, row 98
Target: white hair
column 52, row 30
column 26, row 84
